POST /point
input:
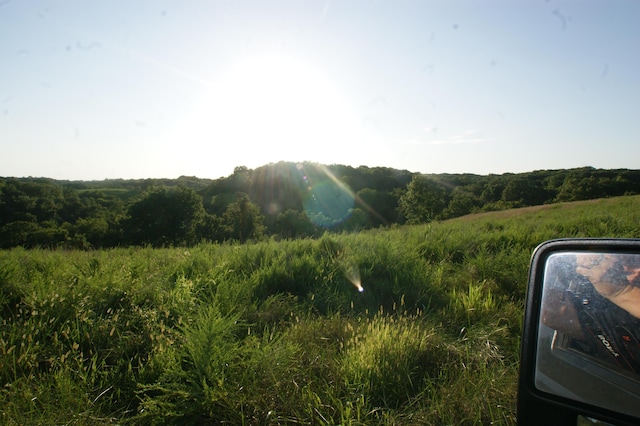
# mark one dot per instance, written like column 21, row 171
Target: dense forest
column 283, row 200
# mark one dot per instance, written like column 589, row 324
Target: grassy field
column 278, row 332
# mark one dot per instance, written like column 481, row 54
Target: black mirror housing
column 580, row 349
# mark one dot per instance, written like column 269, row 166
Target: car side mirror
column 580, row 353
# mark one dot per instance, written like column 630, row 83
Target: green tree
column 29, row 213
column 16, row 233
column 493, row 188
column 462, row 202
column 293, row 224
column 356, row 220
column 580, row 184
column 525, row 190
column 381, row 207
column 209, row 228
column 424, row 200
column 242, row 220
column 164, row 217
column 30, row 200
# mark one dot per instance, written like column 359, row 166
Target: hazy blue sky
column 136, row 89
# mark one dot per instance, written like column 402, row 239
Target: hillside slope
column 406, row 325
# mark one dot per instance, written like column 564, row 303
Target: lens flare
column 353, row 275
column 327, row 201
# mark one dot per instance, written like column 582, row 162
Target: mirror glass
column 588, row 346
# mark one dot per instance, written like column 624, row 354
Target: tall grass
column 278, row 332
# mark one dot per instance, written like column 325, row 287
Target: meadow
column 278, row 332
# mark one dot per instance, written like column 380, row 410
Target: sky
column 93, row 90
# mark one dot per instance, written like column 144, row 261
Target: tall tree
column 243, row 219
column 462, row 202
column 525, row 190
column 424, row 200
column 381, row 207
column 164, row 217
column 293, row 224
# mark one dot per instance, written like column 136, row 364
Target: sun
column 273, row 107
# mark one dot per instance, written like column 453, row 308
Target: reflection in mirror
column 588, row 421
column 588, row 346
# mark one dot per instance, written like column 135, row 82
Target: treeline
column 285, row 200
column 444, row 196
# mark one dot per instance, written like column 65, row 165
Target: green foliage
column 242, row 220
column 293, row 224
column 462, row 202
column 424, row 200
column 41, row 213
column 283, row 200
column 277, row 332
column 163, row 217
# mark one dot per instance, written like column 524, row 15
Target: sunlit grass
column 278, row 332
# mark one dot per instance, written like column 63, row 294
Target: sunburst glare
column 353, row 275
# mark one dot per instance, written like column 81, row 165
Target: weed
column 280, row 332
